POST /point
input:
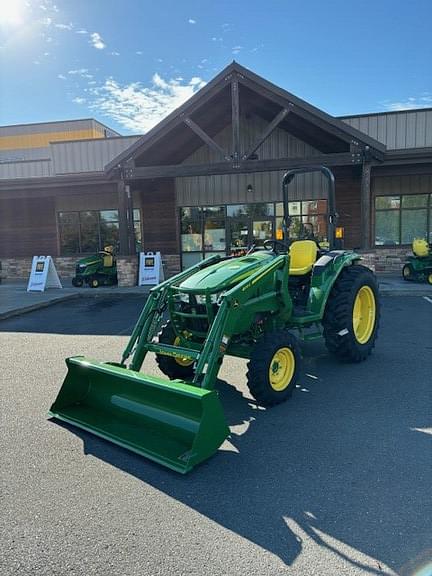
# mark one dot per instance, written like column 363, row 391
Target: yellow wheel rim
column 364, row 314
column 95, row 283
column 182, row 361
column 406, row 272
column 281, row 369
column 430, row 279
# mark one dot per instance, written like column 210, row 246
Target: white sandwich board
column 43, row 275
column 150, row 268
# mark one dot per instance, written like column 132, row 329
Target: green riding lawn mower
column 99, row 269
column 419, row 266
column 256, row 307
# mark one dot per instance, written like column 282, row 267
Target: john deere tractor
column 96, row 270
column 258, row 306
column 419, row 266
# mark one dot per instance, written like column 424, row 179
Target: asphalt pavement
column 335, row 482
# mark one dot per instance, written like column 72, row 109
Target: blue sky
column 130, row 62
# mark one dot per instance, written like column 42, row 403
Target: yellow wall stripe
column 42, row 139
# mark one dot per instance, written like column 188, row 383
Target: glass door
column 262, row 230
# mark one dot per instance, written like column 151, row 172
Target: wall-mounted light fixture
column 249, row 188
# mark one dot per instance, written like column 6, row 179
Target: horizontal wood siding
column 159, row 216
column 27, row 227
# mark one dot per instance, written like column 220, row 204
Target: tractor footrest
column 175, row 351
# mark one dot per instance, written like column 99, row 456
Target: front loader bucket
column 171, row 422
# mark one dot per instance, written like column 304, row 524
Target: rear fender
column 325, row 273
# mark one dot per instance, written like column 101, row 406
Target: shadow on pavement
column 96, row 315
column 339, row 465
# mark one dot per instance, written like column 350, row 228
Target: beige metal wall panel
column 87, row 155
column 26, row 169
column 397, row 130
column 408, row 184
column 44, row 127
column 20, row 154
column 232, row 188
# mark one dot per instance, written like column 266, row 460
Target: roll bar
column 332, row 215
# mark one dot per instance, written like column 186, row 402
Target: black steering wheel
column 276, row 246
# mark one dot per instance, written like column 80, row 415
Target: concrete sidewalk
column 15, row 300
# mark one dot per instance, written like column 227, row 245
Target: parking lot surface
column 337, row 481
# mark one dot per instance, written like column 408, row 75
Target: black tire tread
column 167, row 364
column 258, row 366
column 338, row 314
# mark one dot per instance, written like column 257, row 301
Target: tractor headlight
column 184, row 298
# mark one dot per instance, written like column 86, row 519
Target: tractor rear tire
column 352, row 314
column 429, row 277
column 274, row 367
column 170, row 366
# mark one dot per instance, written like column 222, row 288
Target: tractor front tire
column 274, row 367
column 407, row 272
column 77, row 282
column 94, row 282
column 181, row 368
column 429, row 277
column 352, row 314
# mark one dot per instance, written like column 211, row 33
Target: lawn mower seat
column 303, row 255
column 108, row 258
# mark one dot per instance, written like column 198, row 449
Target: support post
column 123, row 220
column 235, row 117
column 365, row 203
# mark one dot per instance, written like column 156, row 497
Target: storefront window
column 137, row 228
column 400, row 219
column 203, row 232
column 306, row 216
column 88, row 231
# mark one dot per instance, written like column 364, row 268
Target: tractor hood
column 89, row 260
column 223, row 275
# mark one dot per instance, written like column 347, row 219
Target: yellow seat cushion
column 108, row 260
column 303, row 255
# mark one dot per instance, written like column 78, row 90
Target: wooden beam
column 365, row 206
column 266, row 133
column 206, row 138
column 123, row 218
column 241, row 167
column 235, row 119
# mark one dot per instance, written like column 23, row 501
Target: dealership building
column 207, row 180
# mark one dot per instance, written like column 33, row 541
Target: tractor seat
column 108, row 260
column 303, row 255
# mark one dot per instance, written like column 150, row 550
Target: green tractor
column 256, row 307
column 419, row 266
column 99, row 269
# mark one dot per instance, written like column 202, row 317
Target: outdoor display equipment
column 419, row 266
column 99, row 269
column 257, row 307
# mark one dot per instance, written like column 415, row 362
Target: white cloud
column 236, row 49
column 64, row 26
column 79, row 71
column 139, row 52
column 192, row 21
column 139, row 108
column 61, row 76
column 411, row 103
column 115, row 53
column 96, row 41
column 79, row 100
column 81, row 31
